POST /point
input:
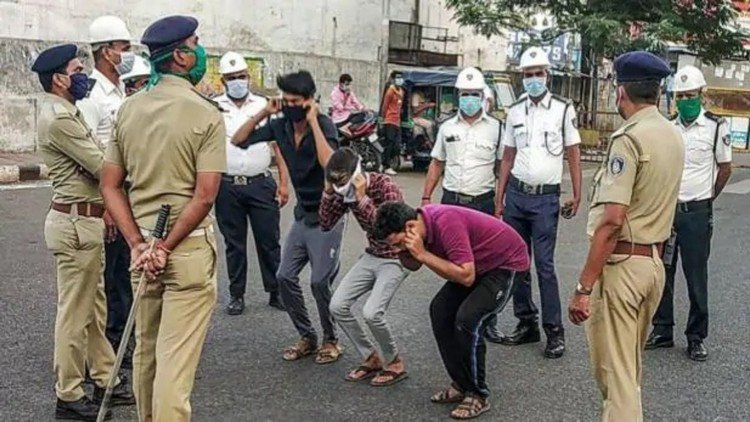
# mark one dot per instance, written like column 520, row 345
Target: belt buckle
column 240, row 180
column 528, row 189
column 464, row 199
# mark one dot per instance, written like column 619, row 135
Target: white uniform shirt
column 700, row 172
column 536, row 131
column 469, row 153
column 99, row 109
column 255, row 159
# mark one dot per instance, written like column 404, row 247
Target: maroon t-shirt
column 462, row 235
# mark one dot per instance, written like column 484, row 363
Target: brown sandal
column 329, row 352
column 445, row 396
column 368, row 372
column 472, row 406
column 393, row 377
column 304, row 347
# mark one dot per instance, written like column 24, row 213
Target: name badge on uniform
column 452, row 138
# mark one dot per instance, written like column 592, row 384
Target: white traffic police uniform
column 256, row 159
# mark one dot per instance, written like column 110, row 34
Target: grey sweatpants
column 321, row 249
column 381, row 276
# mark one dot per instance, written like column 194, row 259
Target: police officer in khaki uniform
column 632, row 206
column 170, row 141
column 74, row 232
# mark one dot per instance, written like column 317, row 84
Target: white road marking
column 739, row 188
column 26, row 185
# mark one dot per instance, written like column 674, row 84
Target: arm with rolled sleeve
column 72, row 139
column 723, row 157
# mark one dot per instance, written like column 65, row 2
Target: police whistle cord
column 157, row 233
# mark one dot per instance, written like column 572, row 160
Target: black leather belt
column 244, row 180
column 462, row 199
column 533, row 189
column 694, row 205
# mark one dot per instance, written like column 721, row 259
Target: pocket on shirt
column 521, row 137
column 699, row 154
column 485, row 150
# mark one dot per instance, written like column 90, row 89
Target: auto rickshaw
column 430, row 99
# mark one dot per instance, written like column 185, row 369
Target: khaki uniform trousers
column 171, row 326
column 78, row 246
column 622, row 304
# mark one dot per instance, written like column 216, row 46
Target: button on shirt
column 469, row 152
column 540, row 132
column 700, row 171
column 99, row 109
column 255, row 159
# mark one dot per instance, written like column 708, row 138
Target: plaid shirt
column 380, row 189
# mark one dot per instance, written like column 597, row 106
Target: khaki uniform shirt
column 642, row 171
column 71, row 153
column 163, row 138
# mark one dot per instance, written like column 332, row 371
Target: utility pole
column 384, row 42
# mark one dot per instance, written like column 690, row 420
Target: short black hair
column 391, row 218
column 46, row 78
column 395, row 74
column 343, row 160
column 345, row 78
column 297, row 83
column 642, row 91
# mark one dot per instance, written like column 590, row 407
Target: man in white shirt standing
column 708, row 166
column 110, row 43
column 468, row 151
column 248, row 190
column 539, row 130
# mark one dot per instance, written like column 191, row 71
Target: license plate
column 373, row 137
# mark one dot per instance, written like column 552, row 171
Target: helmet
column 534, row 56
column 232, row 62
column 688, row 78
column 108, row 28
column 470, row 78
column 141, row 67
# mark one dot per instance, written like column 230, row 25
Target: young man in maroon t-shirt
column 480, row 256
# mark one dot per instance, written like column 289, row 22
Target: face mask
column 237, row 88
column 344, row 88
column 689, row 108
column 127, row 61
column 398, row 81
column 195, row 74
column 535, row 86
column 470, row 105
column 79, row 86
column 294, row 113
column 347, row 190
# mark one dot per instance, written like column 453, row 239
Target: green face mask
column 194, row 75
column 689, row 108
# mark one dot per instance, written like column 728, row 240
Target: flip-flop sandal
column 444, row 397
column 295, row 353
column 395, row 377
column 369, row 372
column 326, row 355
column 474, row 406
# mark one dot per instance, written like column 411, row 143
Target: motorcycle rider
column 344, row 103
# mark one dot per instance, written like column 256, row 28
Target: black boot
column 121, row 394
column 526, row 332
column 555, row 342
column 236, row 306
column 697, row 351
column 274, row 301
column 658, row 340
column 82, row 409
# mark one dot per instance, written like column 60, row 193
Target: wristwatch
column 582, row 290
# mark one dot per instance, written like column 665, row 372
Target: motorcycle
column 362, row 137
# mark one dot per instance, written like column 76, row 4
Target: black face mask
column 295, row 113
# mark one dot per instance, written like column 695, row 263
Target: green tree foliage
column 610, row 27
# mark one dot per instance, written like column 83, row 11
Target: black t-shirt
column 308, row 177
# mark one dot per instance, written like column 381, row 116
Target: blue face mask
column 535, row 86
column 237, row 88
column 470, row 105
column 79, row 86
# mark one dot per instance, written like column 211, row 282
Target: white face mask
column 127, row 61
column 347, row 189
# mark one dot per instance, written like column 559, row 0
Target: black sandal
column 473, row 406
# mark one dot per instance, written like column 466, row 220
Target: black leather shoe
column 525, row 333
column 121, row 395
column 79, row 410
column 493, row 334
column 236, row 306
column 697, row 351
column 274, row 301
column 656, row 341
column 555, row 343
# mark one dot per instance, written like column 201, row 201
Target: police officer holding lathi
column 632, row 204
column 539, row 130
column 169, row 140
column 708, row 165
column 74, row 233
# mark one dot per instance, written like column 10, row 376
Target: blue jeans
column 535, row 218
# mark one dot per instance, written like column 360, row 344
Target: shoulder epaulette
column 623, row 130
column 716, row 118
column 208, row 100
column 60, row 110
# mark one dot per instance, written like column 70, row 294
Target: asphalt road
column 243, row 378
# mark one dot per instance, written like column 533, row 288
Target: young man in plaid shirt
column 378, row 271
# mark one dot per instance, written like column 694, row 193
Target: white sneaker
column 390, row 172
